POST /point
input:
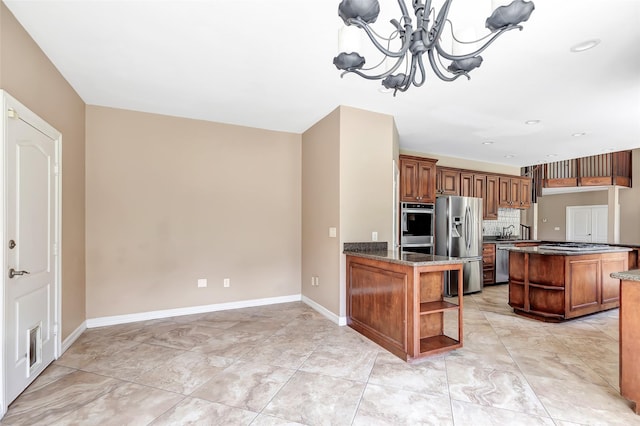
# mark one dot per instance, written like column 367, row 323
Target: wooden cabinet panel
column 448, row 181
column 491, row 197
column 408, row 180
column 610, row 294
column 504, row 192
column 489, row 263
column 583, row 291
column 427, row 182
column 514, row 192
column 479, row 187
column 417, row 180
column 525, row 193
column 630, row 342
column 372, row 288
column 466, row 185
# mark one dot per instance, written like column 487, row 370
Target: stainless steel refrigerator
column 458, row 233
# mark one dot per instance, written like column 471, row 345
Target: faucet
column 507, row 231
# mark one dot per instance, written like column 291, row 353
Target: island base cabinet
column 559, row 287
column 630, row 342
column 403, row 308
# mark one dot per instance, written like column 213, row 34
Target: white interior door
column 587, row 224
column 31, row 243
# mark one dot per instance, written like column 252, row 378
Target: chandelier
column 414, row 43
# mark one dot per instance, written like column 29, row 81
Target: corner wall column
column 613, row 226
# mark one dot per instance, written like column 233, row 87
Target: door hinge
column 55, row 329
column 55, row 249
column 56, row 170
column 12, row 113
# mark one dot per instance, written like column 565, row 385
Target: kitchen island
column 630, row 335
column 557, row 282
column 396, row 299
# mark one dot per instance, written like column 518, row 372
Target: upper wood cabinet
column 421, row 181
column 525, row 193
column 417, row 179
column 492, row 191
column 514, row 192
column 448, row 181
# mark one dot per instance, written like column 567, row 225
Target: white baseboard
column 167, row 313
column 324, row 311
column 66, row 344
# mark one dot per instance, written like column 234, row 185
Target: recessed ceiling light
column 551, row 155
column 532, row 122
column 385, row 90
column 509, row 156
column 577, row 135
column 487, row 142
column 585, row 45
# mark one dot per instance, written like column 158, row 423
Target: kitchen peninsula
column 555, row 282
column 396, row 299
column 630, row 336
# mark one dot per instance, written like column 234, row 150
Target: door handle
column 13, row 273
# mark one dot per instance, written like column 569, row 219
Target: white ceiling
column 268, row 64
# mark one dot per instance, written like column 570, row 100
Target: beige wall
column 367, row 147
column 172, row 200
column 28, row 75
column 347, row 183
column 552, row 211
column 321, row 210
column 630, row 206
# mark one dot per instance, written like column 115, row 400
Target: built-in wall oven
column 417, row 223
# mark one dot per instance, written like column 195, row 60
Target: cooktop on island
column 574, row 246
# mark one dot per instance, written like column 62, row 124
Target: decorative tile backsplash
column 506, row 217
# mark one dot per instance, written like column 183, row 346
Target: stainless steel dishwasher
column 502, row 262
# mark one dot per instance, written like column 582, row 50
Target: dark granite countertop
column 494, row 240
column 632, row 275
column 407, row 258
column 556, row 252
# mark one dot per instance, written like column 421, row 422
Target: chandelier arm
column 446, row 55
column 423, row 74
column 406, row 42
column 439, row 73
column 438, row 24
column 376, row 77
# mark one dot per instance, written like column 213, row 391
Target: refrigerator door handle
column 467, row 228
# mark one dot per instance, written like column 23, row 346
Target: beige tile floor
column 286, row 364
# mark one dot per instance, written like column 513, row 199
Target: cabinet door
column 610, row 294
column 525, row 193
column 479, row 185
column 504, row 192
column 514, row 189
column 466, row 185
column 426, row 182
column 409, row 180
column 491, row 198
column 584, row 285
column 449, row 181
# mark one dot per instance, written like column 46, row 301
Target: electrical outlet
column 313, row 281
column 202, row 282
column 226, row 282
column 557, row 228
column 317, row 281
column 374, row 236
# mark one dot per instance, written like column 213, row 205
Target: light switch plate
column 333, row 232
